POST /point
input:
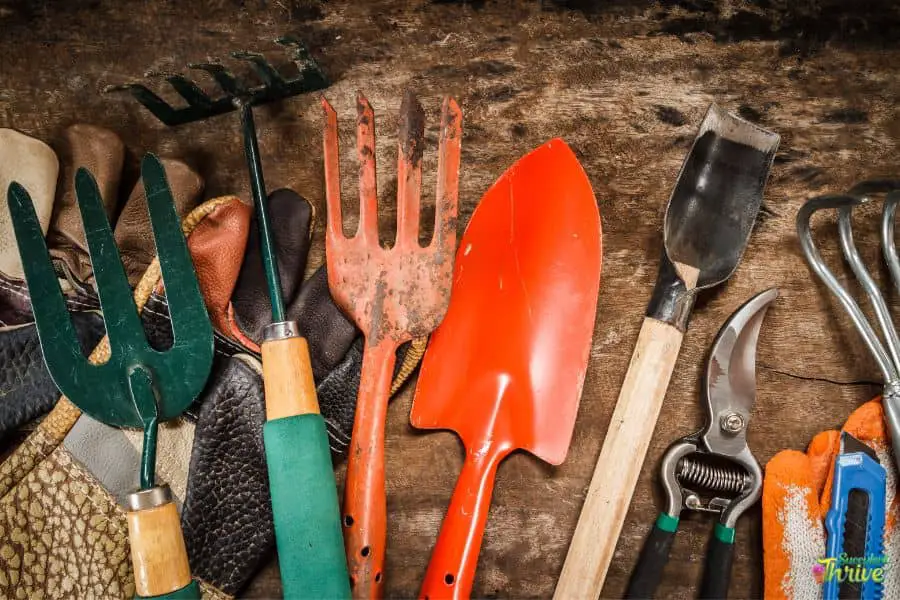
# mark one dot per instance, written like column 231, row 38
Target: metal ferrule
column 149, row 498
column 281, row 331
column 671, row 301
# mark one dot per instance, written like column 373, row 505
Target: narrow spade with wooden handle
column 708, row 221
column 518, row 337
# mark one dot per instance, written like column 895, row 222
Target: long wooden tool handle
column 365, row 499
column 161, row 568
column 301, row 477
column 621, row 457
column 451, row 570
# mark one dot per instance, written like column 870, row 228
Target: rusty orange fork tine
column 335, row 228
column 368, row 191
column 447, row 196
column 409, row 170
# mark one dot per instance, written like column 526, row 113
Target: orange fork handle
column 365, row 502
column 451, row 571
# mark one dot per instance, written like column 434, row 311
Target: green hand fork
column 138, row 386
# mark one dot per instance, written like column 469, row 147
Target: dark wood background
column 625, row 83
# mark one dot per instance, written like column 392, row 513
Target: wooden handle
column 622, row 456
column 288, row 379
column 157, row 551
column 365, row 500
column 451, row 570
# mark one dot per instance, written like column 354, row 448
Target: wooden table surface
column 625, row 84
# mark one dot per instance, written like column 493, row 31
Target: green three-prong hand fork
column 138, row 386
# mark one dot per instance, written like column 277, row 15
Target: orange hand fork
column 394, row 295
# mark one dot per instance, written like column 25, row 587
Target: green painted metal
column 138, row 386
column 261, row 202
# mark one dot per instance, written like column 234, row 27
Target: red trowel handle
column 365, row 502
column 452, row 568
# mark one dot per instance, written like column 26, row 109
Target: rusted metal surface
column 394, row 294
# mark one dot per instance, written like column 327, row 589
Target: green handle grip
column 305, row 506
column 189, row 592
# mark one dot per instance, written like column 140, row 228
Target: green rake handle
column 301, row 476
column 189, row 592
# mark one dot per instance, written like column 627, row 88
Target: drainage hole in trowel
column 364, row 551
column 348, row 521
column 449, row 578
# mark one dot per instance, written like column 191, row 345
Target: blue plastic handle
column 855, row 471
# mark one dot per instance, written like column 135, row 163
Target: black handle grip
column 654, row 556
column 717, row 571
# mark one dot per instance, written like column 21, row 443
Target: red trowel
column 505, row 368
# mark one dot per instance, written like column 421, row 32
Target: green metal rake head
column 237, row 95
column 201, row 105
column 138, row 386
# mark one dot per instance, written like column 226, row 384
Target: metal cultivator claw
column 393, row 295
column 885, row 349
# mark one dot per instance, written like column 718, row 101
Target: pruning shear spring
column 715, row 461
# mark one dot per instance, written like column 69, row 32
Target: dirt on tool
column 625, row 83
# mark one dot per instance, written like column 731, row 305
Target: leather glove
column 32, row 163
column 25, row 386
column 796, row 498
column 336, row 361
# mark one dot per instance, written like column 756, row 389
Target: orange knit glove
column 796, row 498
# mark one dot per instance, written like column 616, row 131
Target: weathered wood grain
column 625, row 84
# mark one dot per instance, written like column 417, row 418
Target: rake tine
column 310, row 74
column 161, row 109
column 222, row 76
column 119, row 311
column 874, row 186
column 186, row 307
column 447, row 201
column 411, row 141
column 887, row 236
column 817, row 264
column 368, row 190
column 882, row 315
column 332, row 173
column 48, row 305
column 270, row 77
column 187, row 89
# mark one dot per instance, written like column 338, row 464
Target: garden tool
column 830, row 515
column 708, row 222
column 886, row 353
column 518, row 334
column 301, row 480
column 27, row 390
column 855, row 521
column 34, row 164
column 138, row 386
column 715, row 460
column 41, row 471
column 393, row 295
